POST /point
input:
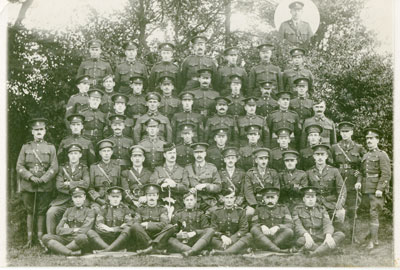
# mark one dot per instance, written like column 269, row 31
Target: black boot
column 61, row 249
column 40, row 226
column 29, row 228
column 116, row 245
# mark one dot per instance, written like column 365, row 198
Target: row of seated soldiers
column 186, row 76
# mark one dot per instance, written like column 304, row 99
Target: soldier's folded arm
column 88, row 223
column 84, row 182
column 215, row 187
column 298, row 225
column 60, row 183
column 61, row 230
column 384, row 164
column 243, row 226
column 248, row 191
column 158, row 226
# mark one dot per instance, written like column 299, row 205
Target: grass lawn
column 351, row 256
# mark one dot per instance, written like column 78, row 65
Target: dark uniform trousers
column 78, row 177
column 179, row 175
column 113, row 217
column 315, row 221
column 37, row 159
column 67, row 240
column 158, row 230
column 233, row 224
column 376, row 171
column 191, row 220
column 132, row 182
column 99, row 182
column 278, row 215
column 291, row 184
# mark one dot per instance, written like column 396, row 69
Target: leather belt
column 345, row 166
column 122, row 161
column 92, row 132
column 372, row 175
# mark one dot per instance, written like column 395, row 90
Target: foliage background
column 356, row 81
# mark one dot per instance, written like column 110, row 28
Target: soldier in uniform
column 250, row 119
column 95, row 66
column 171, row 178
column 328, row 135
column 164, row 129
column 347, row 156
column 214, row 153
column 134, row 179
column 266, row 103
column 153, row 145
column 295, row 30
column 236, row 99
column 37, row 167
column 277, row 152
column 187, row 116
column 230, row 227
column 151, row 228
column 169, row 104
column 76, row 125
column 183, row 151
column 131, row 66
column 193, row 230
column 232, row 176
column 122, row 144
column 95, row 120
column 70, row 175
column 106, row 104
column 284, row 118
column 119, row 109
column 103, row 174
column 204, row 95
column 165, row 65
column 302, row 104
column 72, row 230
column 258, row 177
column 224, row 72
column 204, row 179
column 314, row 231
column 264, row 71
column 329, row 182
column 112, row 227
column 298, row 70
column 136, row 105
column 192, row 63
column 272, row 224
column 80, row 101
column 292, row 180
column 246, row 161
column 221, row 119
column 376, row 174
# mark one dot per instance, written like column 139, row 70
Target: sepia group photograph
column 199, row 133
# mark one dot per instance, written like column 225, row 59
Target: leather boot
column 116, row 245
column 283, row 238
column 374, row 236
column 178, row 245
column 320, row 251
column 73, row 246
column 40, row 226
column 198, row 246
column 29, row 228
column 59, row 248
column 266, row 244
column 236, row 247
column 98, row 243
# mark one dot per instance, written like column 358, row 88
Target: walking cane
column 355, row 218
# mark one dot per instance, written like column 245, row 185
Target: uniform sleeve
column 248, row 191
column 288, row 221
column 275, row 179
column 215, row 187
column 279, row 80
column 53, row 169
column 303, row 136
column 158, row 226
column 385, row 175
column 60, row 182
column 183, row 186
column 168, row 130
column 298, row 224
column 93, row 194
column 207, row 131
column 333, row 134
column 91, row 154
column 255, row 221
column 137, row 131
column 243, row 226
column 326, row 223
column 156, row 178
column 60, row 230
column 109, row 69
column 251, row 82
column 22, row 171
column 84, row 182
column 88, row 223
column 184, row 70
column 266, row 134
column 214, row 224
column 339, row 185
column 204, row 223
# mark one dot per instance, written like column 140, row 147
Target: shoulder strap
column 258, row 179
column 344, row 153
column 105, row 174
column 67, row 174
column 135, row 178
column 37, row 157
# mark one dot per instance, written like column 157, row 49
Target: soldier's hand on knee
column 191, row 234
column 330, row 241
column 144, row 224
column 226, row 241
column 357, row 186
column 273, row 230
column 309, row 240
column 378, row 193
